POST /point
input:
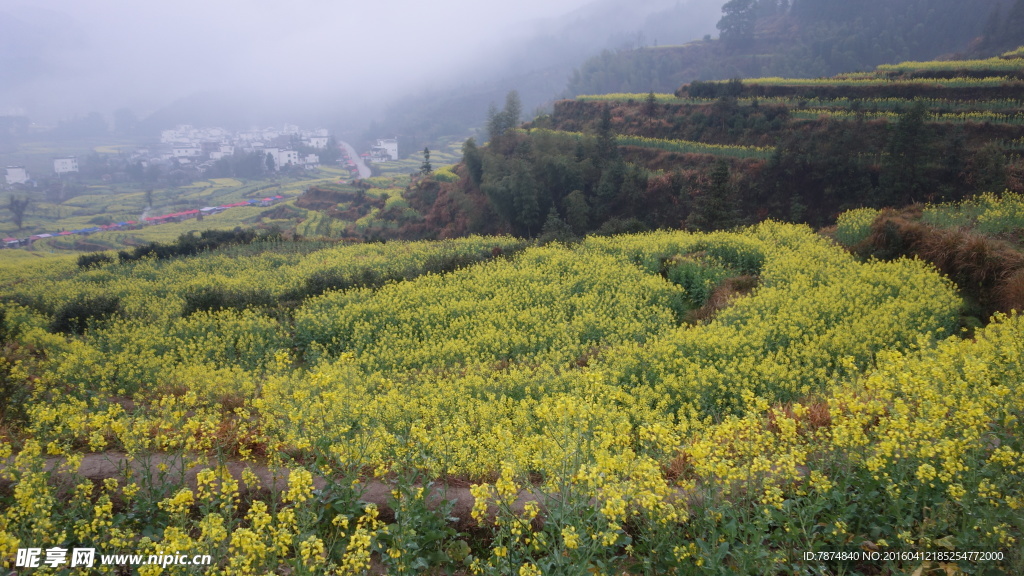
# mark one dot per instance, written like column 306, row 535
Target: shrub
column 94, row 259
column 75, row 316
column 854, row 226
column 209, row 298
column 325, row 280
column 696, row 277
column 445, row 175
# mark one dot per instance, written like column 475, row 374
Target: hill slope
column 717, row 154
column 806, row 39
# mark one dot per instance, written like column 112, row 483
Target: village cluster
column 207, row 145
column 195, row 150
column 191, row 148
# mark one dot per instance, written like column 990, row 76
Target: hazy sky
column 64, row 58
column 100, row 54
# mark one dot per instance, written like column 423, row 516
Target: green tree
column 634, row 185
column 650, row 107
column 607, row 150
column 513, row 109
column 474, row 161
column 717, row 208
column 500, row 123
column 555, row 229
column 525, row 199
column 330, row 153
column 577, row 212
column 988, row 168
column 495, row 123
column 269, row 162
column 608, row 188
column 18, row 206
column 739, row 18
column 426, row 168
column 907, row 155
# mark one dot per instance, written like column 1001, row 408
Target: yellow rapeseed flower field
column 599, row 429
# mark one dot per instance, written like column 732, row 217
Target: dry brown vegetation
column 989, row 271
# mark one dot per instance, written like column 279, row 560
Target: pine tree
column 577, row 212
column 650, row 107
column 495, row 123
column 500, row 123
column 555, row 229
column 513, row 110
column 717, row 208
column 606, row 147
column 426, row 168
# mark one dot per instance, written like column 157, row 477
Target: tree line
column 543, row 181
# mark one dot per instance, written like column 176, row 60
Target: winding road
column 364, row 170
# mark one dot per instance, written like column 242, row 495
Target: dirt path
column 102, row 465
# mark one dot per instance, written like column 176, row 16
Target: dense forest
column 808, row 38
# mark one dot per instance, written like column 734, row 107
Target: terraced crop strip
column 949, row 105
column 989, row 213
column 988, row 65
column 691, row 147
column 940, row 117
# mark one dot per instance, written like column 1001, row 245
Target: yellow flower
column 529, row 569
column 180, row 503
column 300, row 486
column 570, row 538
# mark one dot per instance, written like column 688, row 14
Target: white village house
column 188, row 151
column 16, row 175
column 384, row 150
column 283, row 158
column 65, row 165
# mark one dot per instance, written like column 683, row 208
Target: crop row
column 995, row 65
column 692, row 147
column 682, row 146
column 940, row 117
column 940, row 105
column 876, row 81
column 988, row 213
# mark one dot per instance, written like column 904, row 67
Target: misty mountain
column 538, row 64
column 421, row 70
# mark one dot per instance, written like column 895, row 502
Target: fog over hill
column 305, row 61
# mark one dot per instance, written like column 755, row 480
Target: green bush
column 696, row 277
column 94, row 259
column 75, row 316
column 853, row 226
column 208, row 298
